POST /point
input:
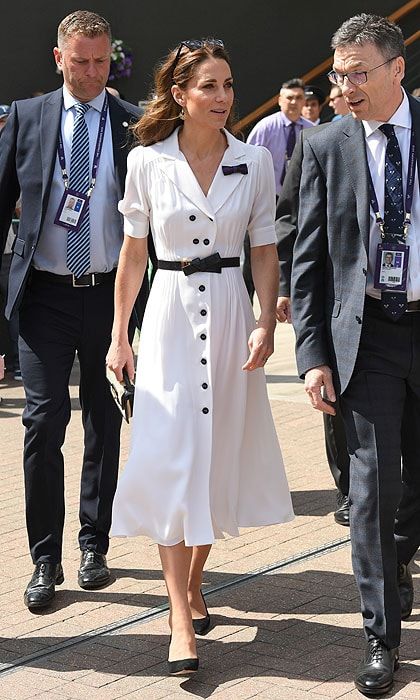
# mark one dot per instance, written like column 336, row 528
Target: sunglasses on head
column 192, row 45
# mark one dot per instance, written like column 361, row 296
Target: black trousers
column 57, row 321
column 384, row 389
column 336, row 449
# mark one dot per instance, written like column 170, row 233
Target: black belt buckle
column 210, row 264
column 78, row 283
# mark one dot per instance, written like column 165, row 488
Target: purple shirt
column 272, row 132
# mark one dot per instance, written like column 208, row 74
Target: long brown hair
column 161, row 115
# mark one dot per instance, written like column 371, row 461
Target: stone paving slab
column 290, row 634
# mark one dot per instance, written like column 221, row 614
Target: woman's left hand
column 261, row 346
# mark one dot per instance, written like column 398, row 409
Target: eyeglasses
column 192, row 45
column 355, row 77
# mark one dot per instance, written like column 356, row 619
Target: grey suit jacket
column 287, row 212
column 331, row 250
column 28, row 149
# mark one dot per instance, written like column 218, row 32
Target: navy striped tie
column 78, row 242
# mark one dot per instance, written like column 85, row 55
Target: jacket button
column 196, row 241
column 203, row 336
column 358, row 319
column 202, row 288
column 203, row 312
column 203, row 361
column 204, row 385
column 205, row 410
column 206, row 241
column 192, row 217
column 364, row 271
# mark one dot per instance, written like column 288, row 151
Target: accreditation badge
column 391, row 266
column 71, row 209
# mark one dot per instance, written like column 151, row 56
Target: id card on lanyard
column 392, row 253
column 74, row 204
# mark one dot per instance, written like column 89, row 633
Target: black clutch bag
column 122, row 393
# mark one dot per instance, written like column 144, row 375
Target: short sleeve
column 135, row 206
column 261, row 226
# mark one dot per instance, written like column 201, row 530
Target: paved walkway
column 283, row 599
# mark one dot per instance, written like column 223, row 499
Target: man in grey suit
column 356, row 335
column 286, row 228
column 63, row 151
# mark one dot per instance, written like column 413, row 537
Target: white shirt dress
column 204, row 457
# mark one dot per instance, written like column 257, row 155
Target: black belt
column 90, row 280
column 411, row 305
column 213, row 263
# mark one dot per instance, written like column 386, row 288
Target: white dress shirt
column 105, row 221
column 376, row 143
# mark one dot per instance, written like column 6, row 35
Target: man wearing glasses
column 357, row 335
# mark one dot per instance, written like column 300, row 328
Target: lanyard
column 408, row 194
column 96, row 155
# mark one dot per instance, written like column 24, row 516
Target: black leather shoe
column 406, row 590
column 342, row 514
column 202, row 624
column 93, row 571
column 376, row 671
column 40, row 590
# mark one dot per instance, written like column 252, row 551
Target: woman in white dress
column 204, row 456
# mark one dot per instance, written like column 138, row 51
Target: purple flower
column 121, row 60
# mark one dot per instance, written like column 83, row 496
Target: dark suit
column 286, row 230
column 56, row 322
column 375, row 361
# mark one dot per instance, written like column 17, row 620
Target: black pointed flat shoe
column 202, row 624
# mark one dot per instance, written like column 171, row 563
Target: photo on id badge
column 70, row 210
column 391, row 267
column 72, row 207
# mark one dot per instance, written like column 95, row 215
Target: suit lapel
column 353, row 150
column 50, row 124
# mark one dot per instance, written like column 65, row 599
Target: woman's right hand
column 120, row 356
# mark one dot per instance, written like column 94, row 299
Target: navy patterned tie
column 394, row 303
column 78, row 242
column 290, row 145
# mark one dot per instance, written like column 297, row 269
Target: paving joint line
column 158, row 611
